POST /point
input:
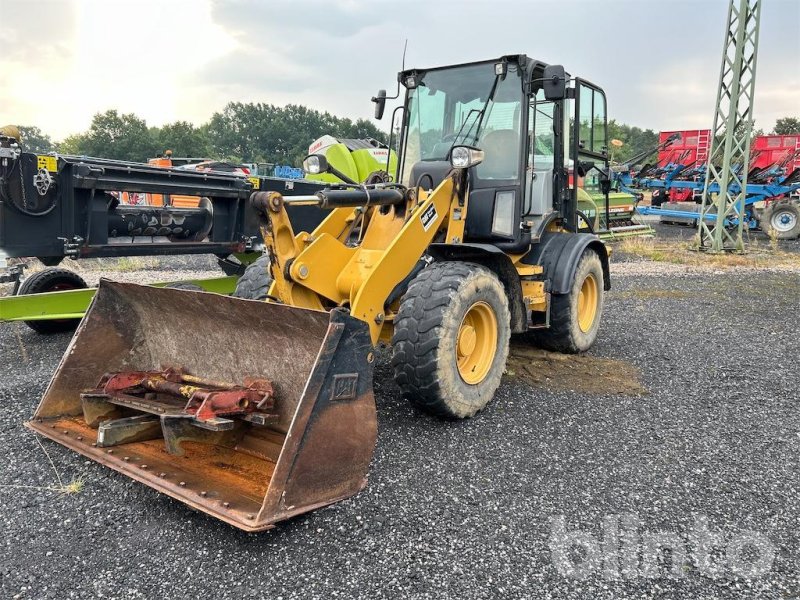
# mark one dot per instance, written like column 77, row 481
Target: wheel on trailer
column 575, row 316
column 254, row 284
column 781, row 219
column 52, row 279
column 450, row 340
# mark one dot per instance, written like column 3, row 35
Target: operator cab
column 529, row 139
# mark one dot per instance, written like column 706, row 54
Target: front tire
column 450, row 340
column 575, row 316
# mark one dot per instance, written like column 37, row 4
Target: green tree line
column 239, row 133
column 256, row 132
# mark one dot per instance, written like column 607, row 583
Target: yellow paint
column 387, row 331
column 324, row 271
column 256, row 182
column 283, row 246
column 49, row 163
column 399, row 258
column 476, row 344
column 533, row 295
column 588, row 298
column 323, row 257
column 524, row 270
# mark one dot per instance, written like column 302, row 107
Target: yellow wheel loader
column 255, row 411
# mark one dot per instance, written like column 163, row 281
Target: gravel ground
column 474, row 509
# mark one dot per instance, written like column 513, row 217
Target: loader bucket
column 280, row 417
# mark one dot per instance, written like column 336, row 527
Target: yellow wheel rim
column 476, row 344
column 587, row 303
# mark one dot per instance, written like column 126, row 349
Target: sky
column 658, row 60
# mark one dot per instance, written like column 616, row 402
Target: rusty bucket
column 249, row 411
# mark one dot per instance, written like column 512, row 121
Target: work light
column 315, row 164
column 463, row 157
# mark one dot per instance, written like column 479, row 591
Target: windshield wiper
column 466, row 120
column 479, row 120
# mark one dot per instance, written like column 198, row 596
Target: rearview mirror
column 583, row 167
column 605, row 181
column 554, row 82
column 380, row 104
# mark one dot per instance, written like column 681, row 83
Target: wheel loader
column 256, row 411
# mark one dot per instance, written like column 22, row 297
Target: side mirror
column 605, row 181
column 380, row 104
column 554, row 82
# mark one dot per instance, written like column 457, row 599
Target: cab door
column 588, row 151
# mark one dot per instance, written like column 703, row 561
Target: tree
column 267, row 133
column 123, row 137
column 634, row 140
column 184, row 139
column 33, row 140
column 72, row 144
column 787, row 126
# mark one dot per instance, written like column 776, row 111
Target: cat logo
column 344, row 386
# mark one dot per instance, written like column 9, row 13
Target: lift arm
column 325, row 268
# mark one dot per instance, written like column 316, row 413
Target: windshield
column 467, row 105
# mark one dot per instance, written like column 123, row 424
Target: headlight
column 315, row 164
column 463, row 157
column 311, row 165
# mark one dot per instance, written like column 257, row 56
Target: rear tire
column 575, row 317
column 781, row 219
column 450, row 340
column 254, row 284
column 52, row 279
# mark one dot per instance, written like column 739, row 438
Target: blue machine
column 768, row 184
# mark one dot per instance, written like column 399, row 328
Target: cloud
column 184, row 59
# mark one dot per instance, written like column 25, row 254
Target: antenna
column 394, row 112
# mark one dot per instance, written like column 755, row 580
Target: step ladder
column 703, row 141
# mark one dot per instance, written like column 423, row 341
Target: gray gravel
column 463, row 510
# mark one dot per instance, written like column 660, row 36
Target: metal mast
column 729, row 158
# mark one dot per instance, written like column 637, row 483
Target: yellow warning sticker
column 256, row 182
column 48, row 163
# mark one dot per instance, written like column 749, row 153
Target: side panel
column 559, row 254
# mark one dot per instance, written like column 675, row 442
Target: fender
column 559, row 254
column 499, row 263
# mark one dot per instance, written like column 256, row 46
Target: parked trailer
column 769, row 207
column 54, row 207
